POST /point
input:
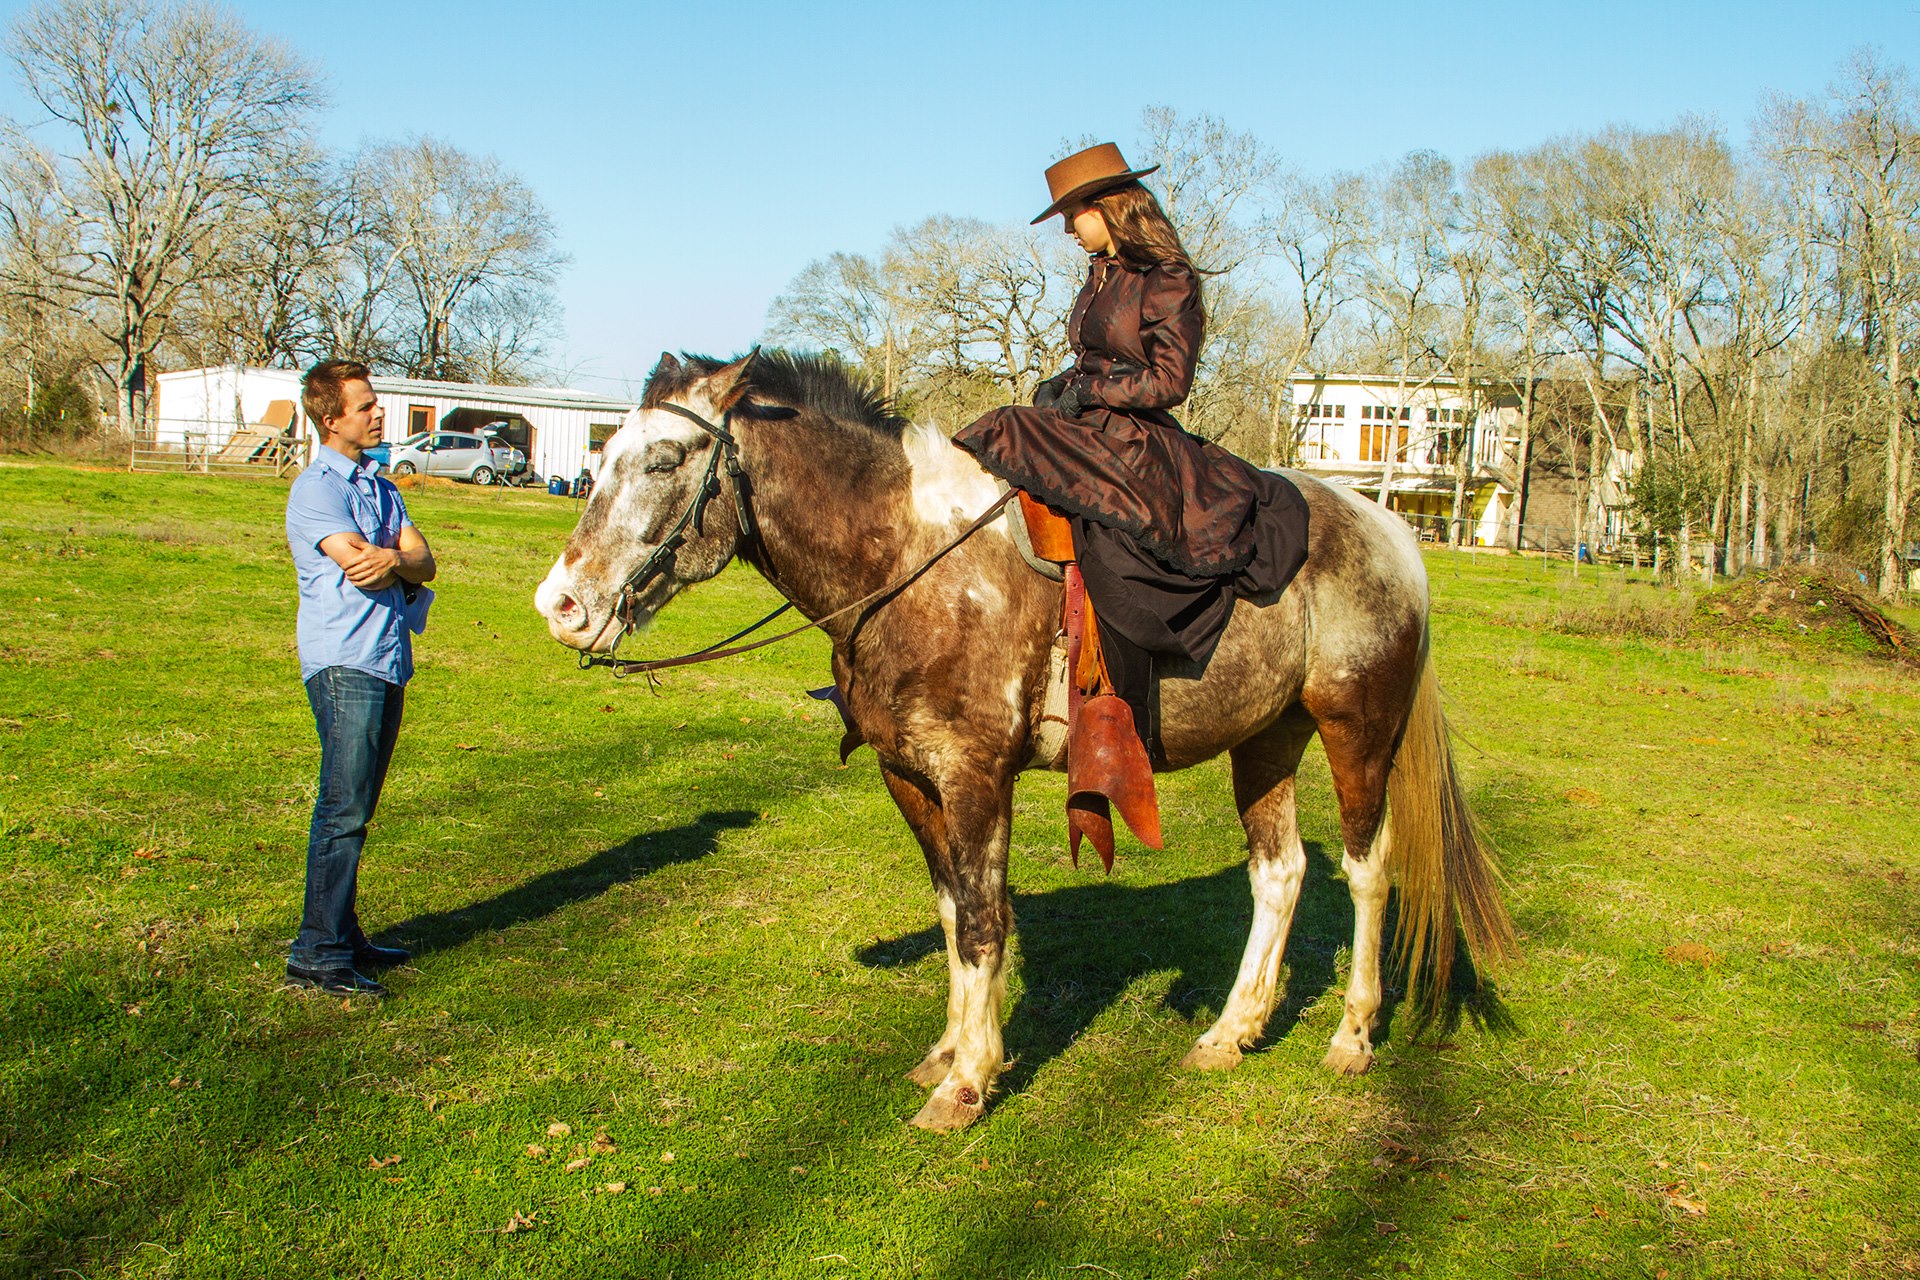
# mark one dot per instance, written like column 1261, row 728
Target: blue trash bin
column 557, row 487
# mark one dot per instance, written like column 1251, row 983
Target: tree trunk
column 1893, row 535
column 1524, row 462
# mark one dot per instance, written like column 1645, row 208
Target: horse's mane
column 819, row 382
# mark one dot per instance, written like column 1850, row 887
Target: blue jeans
column 358, row 717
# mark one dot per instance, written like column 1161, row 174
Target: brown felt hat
column 1086, row 174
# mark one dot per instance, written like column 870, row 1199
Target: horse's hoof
column 1211, row 1057
column 947, row 1113
column 1348, row 1061
column 932, row 1069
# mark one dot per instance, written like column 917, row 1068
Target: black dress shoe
column 368, row 956
column 335, row 982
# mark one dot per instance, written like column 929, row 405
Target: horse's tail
column 1442, row 859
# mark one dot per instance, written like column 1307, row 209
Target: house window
column 1384, row 426
column 419, row 419
column 598, row 433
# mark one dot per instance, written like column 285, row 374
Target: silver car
column 475, row 459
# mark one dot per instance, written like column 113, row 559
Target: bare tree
column 1858, row 157
column 1319, row 229
column 1400, row 280
column 160, row 123
column 466, row 238
column 267, row 307
column 1509, row 206
column 956, row 315
column 846, row 304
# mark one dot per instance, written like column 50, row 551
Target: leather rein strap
column 661, row 561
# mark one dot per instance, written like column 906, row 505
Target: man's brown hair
column 324, row 390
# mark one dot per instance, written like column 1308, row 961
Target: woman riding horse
column 1168, row 528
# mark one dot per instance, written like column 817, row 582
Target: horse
column 832, row 496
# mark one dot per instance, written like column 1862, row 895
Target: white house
column 559, row 429
column 1351, row 424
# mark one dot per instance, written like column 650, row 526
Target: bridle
column 726, row 453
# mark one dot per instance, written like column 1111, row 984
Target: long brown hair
column 1142, row 233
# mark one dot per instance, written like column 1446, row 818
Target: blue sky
column 697, row 156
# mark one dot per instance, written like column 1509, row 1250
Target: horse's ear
column 725, row 385
column 666, row 366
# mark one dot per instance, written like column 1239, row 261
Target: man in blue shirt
column 361, row 564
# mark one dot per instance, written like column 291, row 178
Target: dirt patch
column 418, row 481
column 1812, row 606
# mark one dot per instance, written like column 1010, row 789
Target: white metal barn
column 560, row 430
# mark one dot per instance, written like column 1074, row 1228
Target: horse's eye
column 664, row 457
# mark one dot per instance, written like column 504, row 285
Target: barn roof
column 553, row 397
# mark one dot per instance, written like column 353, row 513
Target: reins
column 662, row 559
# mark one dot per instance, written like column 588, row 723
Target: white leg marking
column 934, row 1067
column 1352, row 1049
column 1276, row 891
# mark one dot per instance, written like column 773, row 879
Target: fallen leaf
column 603, row 1145
column 1567, row 1070
column 575, row 1166
column 466, row 746
column 537, row 1151
column 666, row 1157
column 559, row 1129
column 375, row 1162
column 614, row 1188
column 146, row 853
column 1674, row 1193
column 621, row 1044
column 519, row 1222
column 1385, row 1228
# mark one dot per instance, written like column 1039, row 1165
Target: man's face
column 361, row 423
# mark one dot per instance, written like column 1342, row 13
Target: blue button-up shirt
column 340, row 624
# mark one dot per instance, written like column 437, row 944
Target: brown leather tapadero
column 1126, row 464
column 1048, row 533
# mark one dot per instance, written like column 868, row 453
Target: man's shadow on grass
column 1081, row 947
column 638, row 855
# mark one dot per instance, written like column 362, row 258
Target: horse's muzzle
column 569, row 618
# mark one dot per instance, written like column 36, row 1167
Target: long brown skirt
column 1170, row 529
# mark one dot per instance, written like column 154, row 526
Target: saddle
column 1107, row 766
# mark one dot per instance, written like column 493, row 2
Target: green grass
column 670, row 918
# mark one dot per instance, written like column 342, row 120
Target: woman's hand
column 1073, row 399
column 1049, row 391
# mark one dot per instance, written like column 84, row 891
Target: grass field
column 670, row 922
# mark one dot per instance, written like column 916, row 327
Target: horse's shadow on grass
column 638, row 855
column 1083, row 946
